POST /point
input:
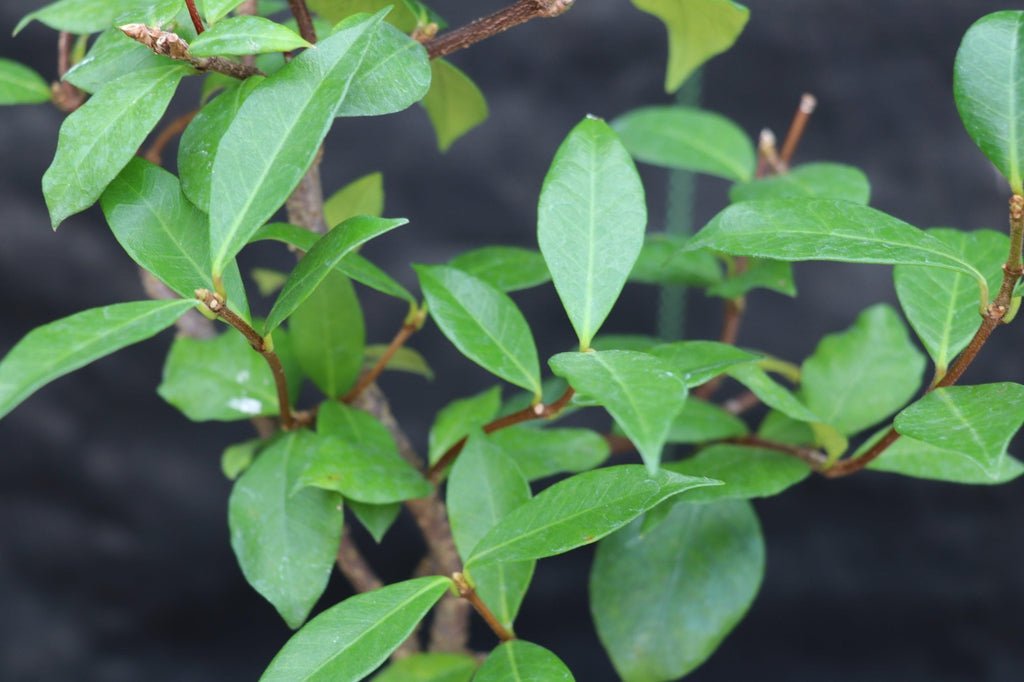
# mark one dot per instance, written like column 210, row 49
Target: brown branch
column 515, row 14
column 216, row 304
column 407, row 330
column 302, row 17
column 168, row 44
column 810, row 456
column 193, row 13
column 538, row 411
column 731, row 320
column 467, row 592
column 66, row 96
column 808, row 103
column 768, row 162
column 176, row 127
column 742, row 403
column 305, row 206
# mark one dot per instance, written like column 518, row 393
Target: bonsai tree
column 509, row 475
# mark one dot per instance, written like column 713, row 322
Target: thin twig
column 66, row 96
column 810, row 456
column 407, row 330
column 302, row 17
column 169, row 44
column 808, row 103
column 742, row 403
column 155, row 153
column 538, row 411
column 467, row 592
column 515, row 14
column 194, row 14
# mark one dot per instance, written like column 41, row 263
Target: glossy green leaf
column 663, row 600
column 941, row 305
column 21, row 85
column 353, row 265
column 348, row 641
column 89, row 16
column 590, row 223
column 454, row 103
column 697, row 362
column 697, row 31
column 164, row 233
column 508, row 268
column 58, row 348
column 809, row 181
column 362, row 196
column 856, row 378
column 246, row 35
column 823, row 229
column 111, row 56
column 406, row 15
column 461, row 417
column 780, row 428
column 404, row 360
column 321, row 259
column 578, row 511
column 663, row 261
column 215, row 10
column 100, row 138
column 911, row 457
column 638, row 342
column 357, row 457
column 760, row 273
column 483, row 323
column 199, row 142
column 285, row 543
column 640, row 391
column 329, row 335
column 519, row 661
column 223, row 378
column 747, row 472
column 484, row 486
column 433, row 667
column 287, row 117
column 701, row 421
column 977, row 421
column 988, row 86
column 540, row 453
column 238, row 457
column 688, row 139
column 376, row 518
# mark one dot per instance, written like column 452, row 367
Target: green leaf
column 100, row 138
column 688, row 139
column 484, row 486
column 507, row 268
column 809, row 181
column 215, row 10
column 164, row 233
column 941, row 305
column 540, row 453
column 357, row 457
column 58, row 348
column 697, row 362
column 857, row 378
column 223, row 378
column 321, row 259
column 268, row 281
column 21, row 85
column 362, row 196
column 760, row 273
column 376, row 518
column 748, row 472
column 823, row 229
column 348, row 641
column 111, row 56
column 454, row 103
column 353, row 265
column 911, row 457
column 246, row 35
column 772, row 393
column 406, row 15
column 977, row 421
column 287, row 117
column 640, row 391
column 578, row 511
column 637, row 342
column 483, row 323
column 590, row 223
column 461, row 417
column 988, row 86
column 519, row 661
column 700, row 422
column 663, row 261
column 697, row 31
column 329, row 335
column 663, row 600
column 405, row 359
column 435, row 667
column 199, row 142
column 285, row 542
column 782, row 429
column 89, row 16
column 238, row 457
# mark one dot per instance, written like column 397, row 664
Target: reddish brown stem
column 810, row 456
column 302, row 17
column 808, row 103
column 467, row 592
column 370, row 377
column 194, row 14
column 66, row 96
column 155, row 153
column 515, row 14
column 731, row 321
column 538, row 411
column 741, row 403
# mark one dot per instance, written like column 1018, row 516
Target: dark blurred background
column 114, row 556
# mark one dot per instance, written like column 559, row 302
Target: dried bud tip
column 767, row 139
column 808, row 103
column 553, row 8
